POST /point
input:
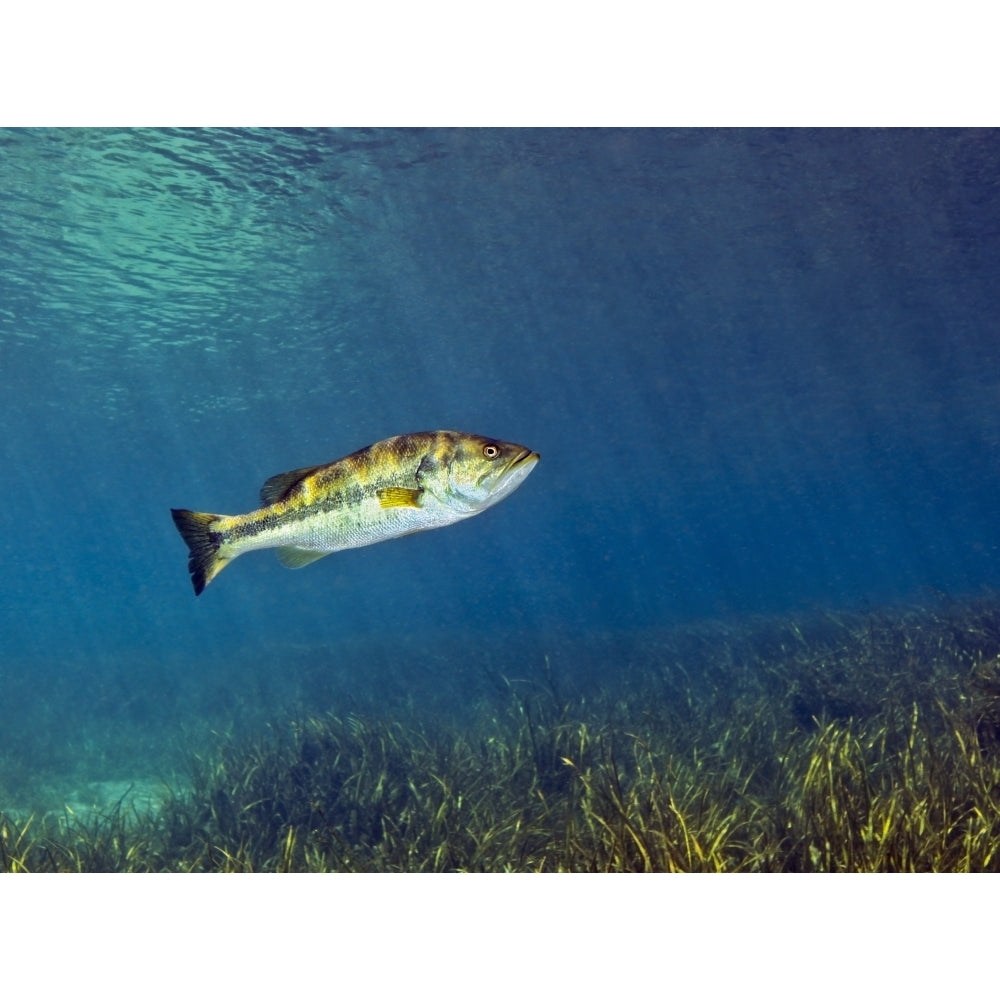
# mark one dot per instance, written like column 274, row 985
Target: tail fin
column 203, row 543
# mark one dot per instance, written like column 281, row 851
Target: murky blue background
column 762, row 369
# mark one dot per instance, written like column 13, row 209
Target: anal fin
column 292, row 557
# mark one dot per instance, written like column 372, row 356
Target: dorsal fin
column 278, row 487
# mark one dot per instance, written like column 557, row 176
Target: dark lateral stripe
column 259, row 522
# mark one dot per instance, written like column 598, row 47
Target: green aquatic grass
column 854, row 743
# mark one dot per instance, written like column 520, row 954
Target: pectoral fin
column 399, row 496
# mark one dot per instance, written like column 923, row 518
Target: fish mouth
column 527, row 455
column 516, row 470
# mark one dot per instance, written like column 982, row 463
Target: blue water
column 762, row 369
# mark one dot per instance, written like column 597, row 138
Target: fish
column 399, row 486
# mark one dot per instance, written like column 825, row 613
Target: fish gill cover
column 764, row 370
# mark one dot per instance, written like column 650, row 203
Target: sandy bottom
column 93, row 799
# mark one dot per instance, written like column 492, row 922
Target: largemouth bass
column 404, row 484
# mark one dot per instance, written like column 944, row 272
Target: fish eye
column 490, row 451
